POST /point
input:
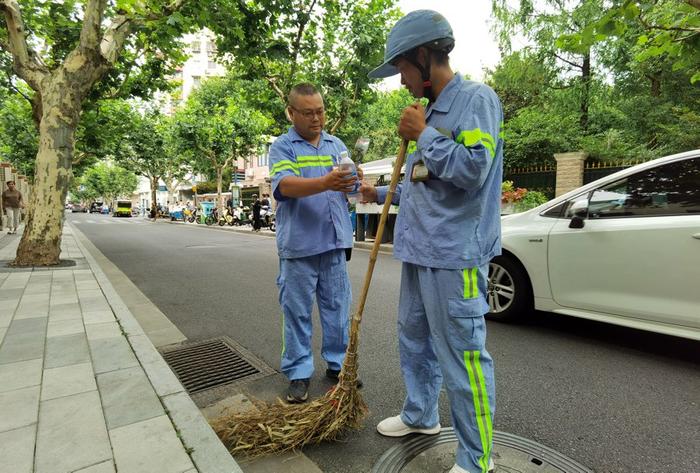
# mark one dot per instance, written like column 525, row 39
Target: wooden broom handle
column 377, row 242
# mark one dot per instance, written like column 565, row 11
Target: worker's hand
column 338, row 180
column 368, row 193
column 412, row 122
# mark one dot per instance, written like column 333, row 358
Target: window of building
column 264, row 157
column 196, row 80
column 211, row 65
column 196, row 46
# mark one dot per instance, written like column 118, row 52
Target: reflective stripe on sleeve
column 284, row 164
column 474, row 137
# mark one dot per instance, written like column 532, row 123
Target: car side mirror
column 577, row 222
column 578, row 216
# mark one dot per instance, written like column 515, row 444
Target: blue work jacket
column 317, row 223
column 452, row 220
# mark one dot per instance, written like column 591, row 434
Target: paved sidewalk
column 82, row 389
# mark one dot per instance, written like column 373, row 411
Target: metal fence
column 594, row 171
column 542, row 179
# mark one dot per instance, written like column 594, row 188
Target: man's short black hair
column 10, row 182
column 303, row 88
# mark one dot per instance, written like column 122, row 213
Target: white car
column 624, row 249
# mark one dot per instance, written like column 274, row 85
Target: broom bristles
column 279, row 427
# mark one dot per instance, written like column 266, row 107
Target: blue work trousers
column 302, row 280
column 442, row 334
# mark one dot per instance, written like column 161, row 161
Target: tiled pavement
column 84, row 390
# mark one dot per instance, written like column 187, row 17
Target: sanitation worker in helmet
column 446, row 232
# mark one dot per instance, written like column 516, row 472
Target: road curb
column 208, row 454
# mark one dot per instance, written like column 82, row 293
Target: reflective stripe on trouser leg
column 297, row 287
column 456, row 325
column 334, row 298
column 471, row 288
column 419, row 363
column 482, row 409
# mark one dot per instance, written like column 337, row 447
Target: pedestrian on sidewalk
column 313, row 232
column 453, row 184
column 12, row 203
column 256, row 213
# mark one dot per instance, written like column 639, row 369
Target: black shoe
column 333, row 376
column 298, row 390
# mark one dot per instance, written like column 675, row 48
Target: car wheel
column 509, row 293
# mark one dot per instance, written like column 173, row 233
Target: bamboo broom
column 279, row 427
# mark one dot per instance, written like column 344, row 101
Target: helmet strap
column 424, row 72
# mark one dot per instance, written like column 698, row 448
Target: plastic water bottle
column 347, row 164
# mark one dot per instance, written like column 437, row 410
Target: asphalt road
column 612, row 398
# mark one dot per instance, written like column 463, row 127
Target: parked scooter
column 189, row 215
column 267, row 217
column 242, row 216
column 227, row 217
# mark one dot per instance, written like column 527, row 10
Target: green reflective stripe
column 487, row 414
column 481, row 405
column 314, row 161
column 318, row 164
column 469, row 361
column 277, row 170
column 476, row 136
column 284, row 164
column 471, row 288
column 500, row 132
column 411, row 148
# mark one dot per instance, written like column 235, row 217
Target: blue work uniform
column 446, row 232
column 312, row 235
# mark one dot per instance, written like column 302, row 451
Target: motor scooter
column 242, row 216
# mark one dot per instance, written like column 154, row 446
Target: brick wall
column 569, row 171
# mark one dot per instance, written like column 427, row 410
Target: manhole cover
column 511, row 454
column 212, row 363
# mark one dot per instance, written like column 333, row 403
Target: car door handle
column 697, row 236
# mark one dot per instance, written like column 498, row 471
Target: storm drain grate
column 212, row 363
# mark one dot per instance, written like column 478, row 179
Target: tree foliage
column 326, row 42
column 636, row 107
column 105, row 181
column 218, row 125
column 666, row 30
column 19, row 140
column 378, row 122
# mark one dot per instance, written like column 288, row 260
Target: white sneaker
column 459, row 469
column 394, row 427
